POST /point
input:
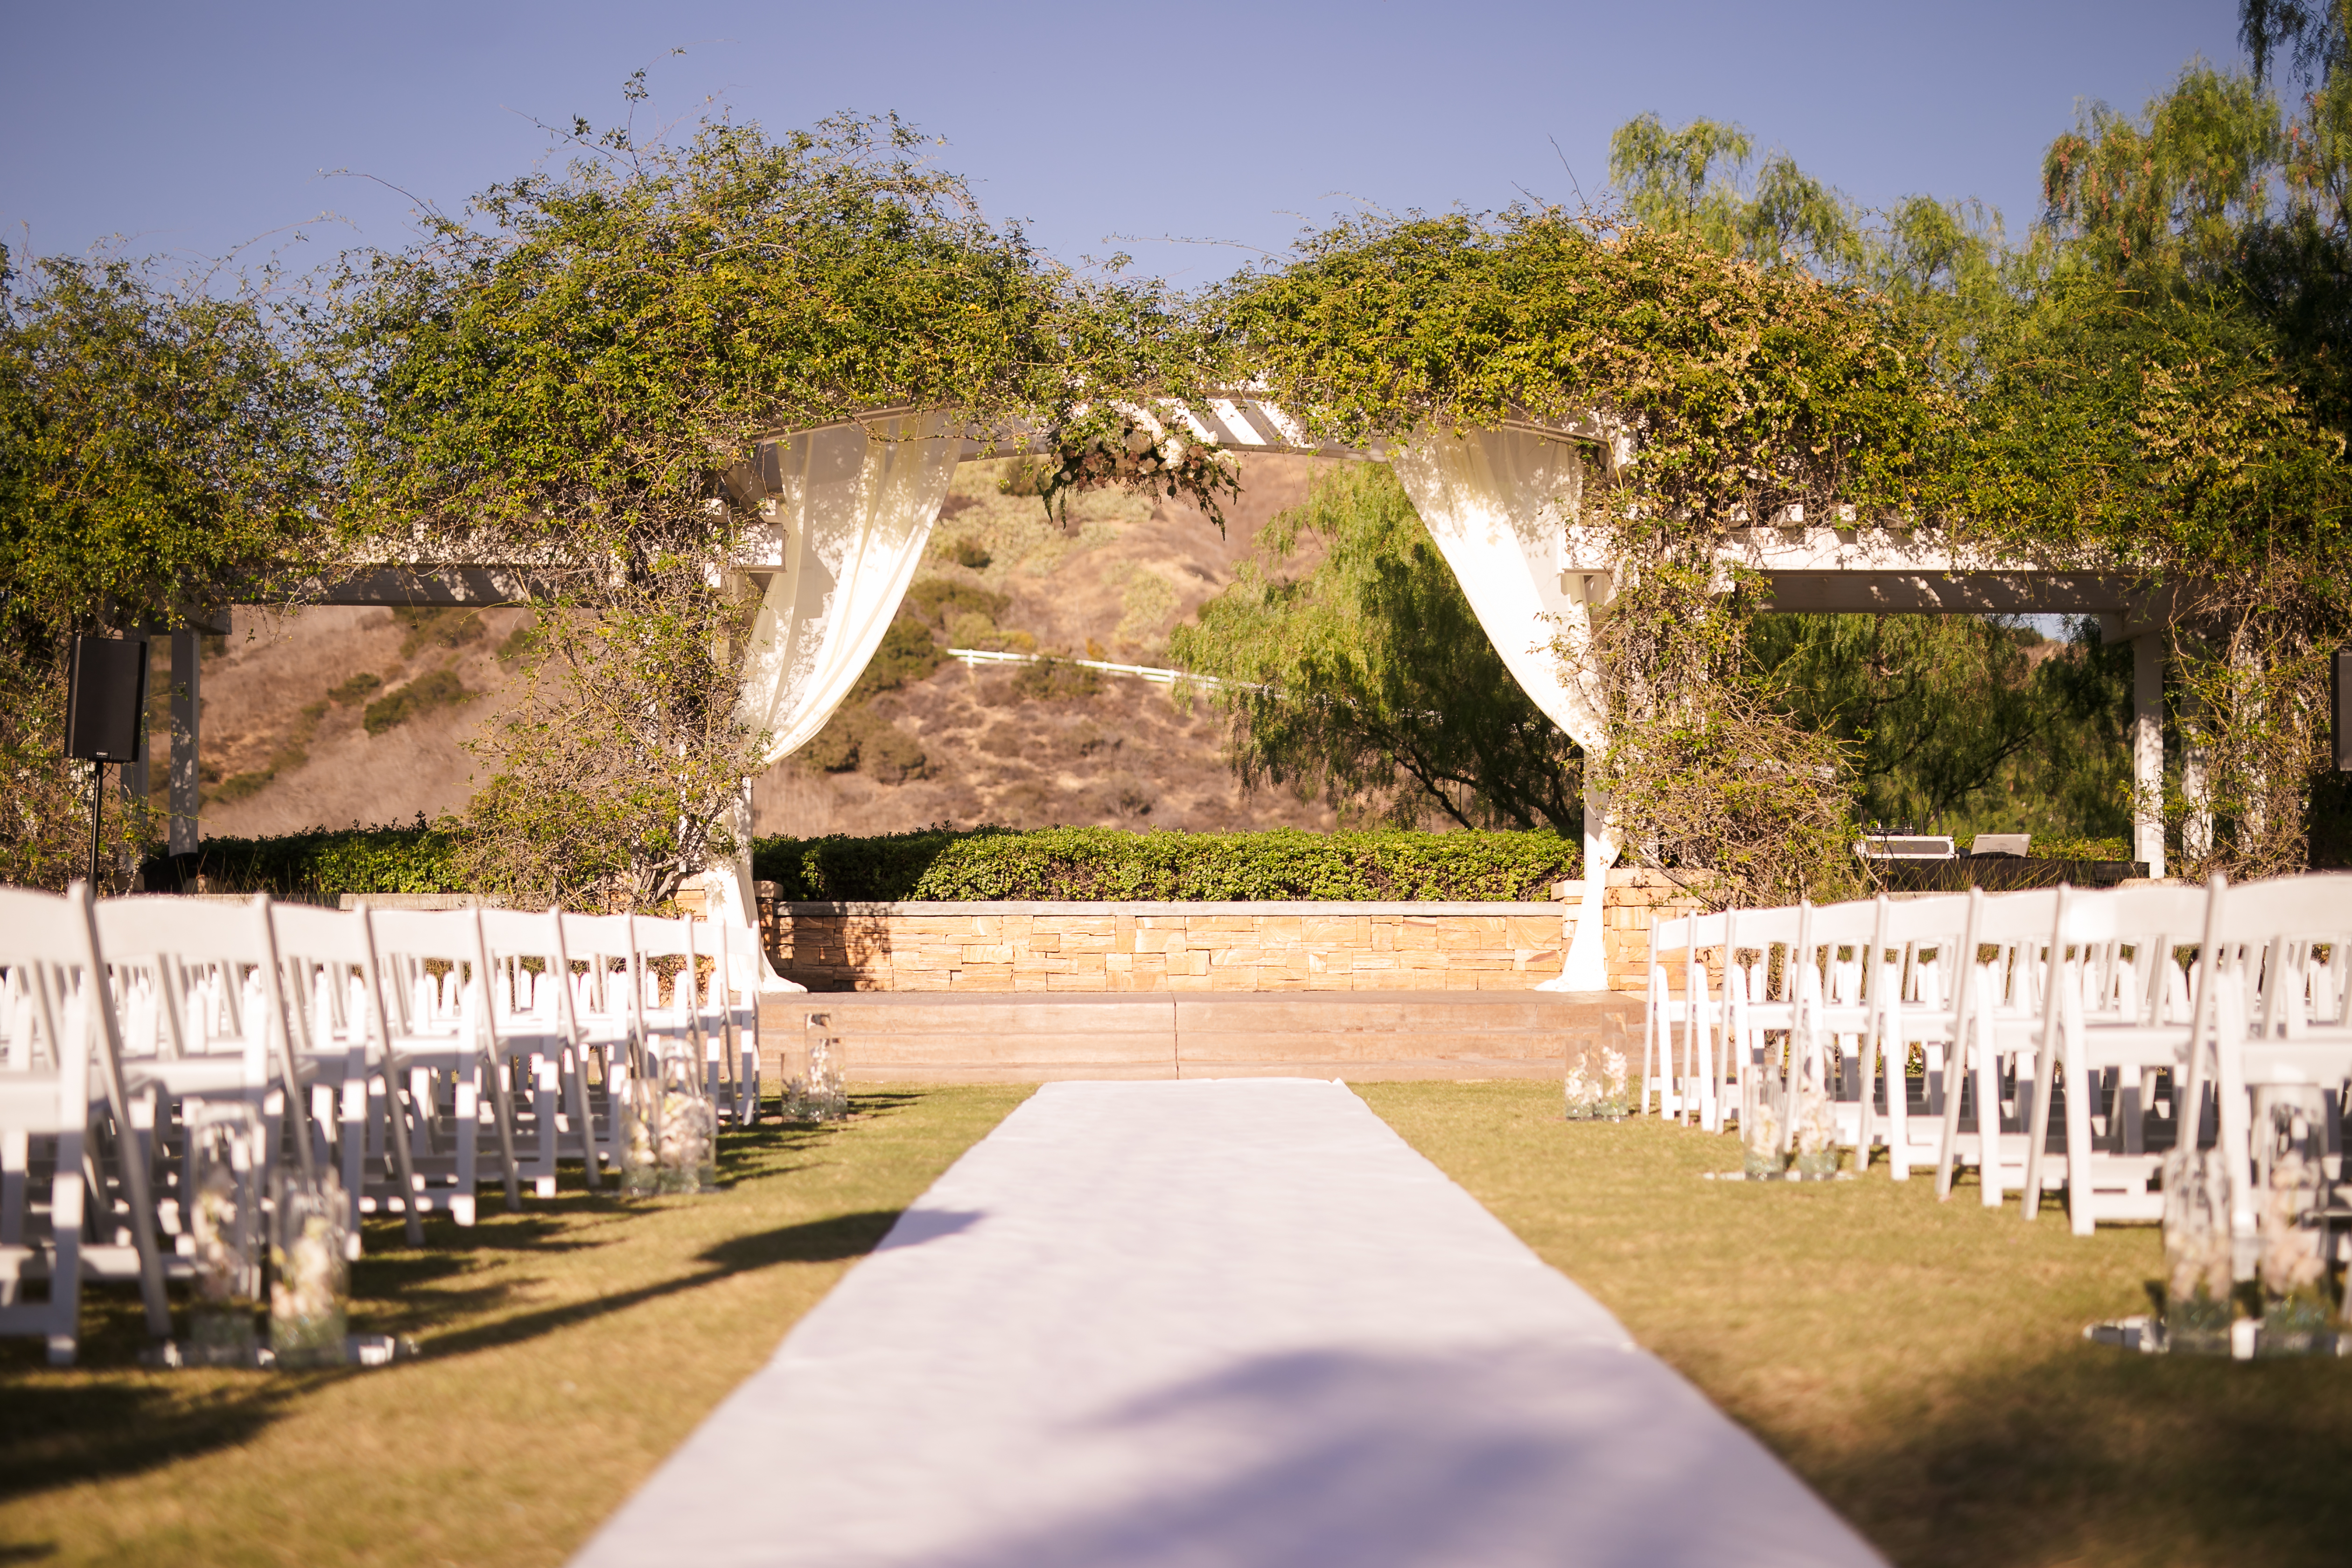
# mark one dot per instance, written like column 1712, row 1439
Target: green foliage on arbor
column 1747, row 389
column 1102, row 864
column 1366, row 676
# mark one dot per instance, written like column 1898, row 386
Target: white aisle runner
column 1231, row 1324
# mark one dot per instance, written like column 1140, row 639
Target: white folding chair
column 205, row 987
column 2111, row 1019
column 731, row 1011
column 1700, row 1084
column 435, row 988
column 340, row 1023
column 607, row 999
column 1917, row 950
column 1838, row 941
column 534, row 1020
column 1997, row 1026
column 60, row 1023
column 1761, row 1023
column 2268, row 1029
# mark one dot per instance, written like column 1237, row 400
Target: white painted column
column 1586, row 967
column 2147, row 752
column 187, row 707
column 2197, row 827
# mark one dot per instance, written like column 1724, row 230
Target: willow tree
column 160, row 449
column 565, row 374
column 1742, row 390
column 1365, row 677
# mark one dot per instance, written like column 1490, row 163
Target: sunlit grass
column 567, row 1351
column 1920, row 1365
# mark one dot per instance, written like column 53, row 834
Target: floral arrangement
column 818, row 1094
column 1760, row 1140
column 2293, row 1262
column 1137, row 458
column 307, row 1319
column 2197, row 1273
column 1817, row 1150
column 221, row 1329
column 1601, row 1096
column 673, row 1134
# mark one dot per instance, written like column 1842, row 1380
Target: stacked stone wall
column 1166, row 947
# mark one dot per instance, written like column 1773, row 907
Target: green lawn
column 568, row 1349
column 1920, row 1365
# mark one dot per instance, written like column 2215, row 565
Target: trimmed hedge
column 329, row 861
column 1076, row 865
column 1088, row 865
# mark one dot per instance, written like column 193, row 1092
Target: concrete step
column 918, row 1037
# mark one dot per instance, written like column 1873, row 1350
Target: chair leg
column 1649, row 1034
column 2037, row 1121
column 64, row 1253
column 580, row 1118
column 2081, row 1200
column 502, row 1106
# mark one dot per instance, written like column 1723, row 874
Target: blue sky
column 191, row 129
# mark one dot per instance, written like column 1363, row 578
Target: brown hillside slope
column 288, row 743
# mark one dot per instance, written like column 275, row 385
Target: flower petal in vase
column 308, row 1300
column 223, row 1223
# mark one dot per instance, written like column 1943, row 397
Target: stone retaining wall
column 1154, row 947
column 1205, row 947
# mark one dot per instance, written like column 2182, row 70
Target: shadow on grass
column 2101, row 1455
column 123, row 1421
column 60, row 1434
column 831, row 1240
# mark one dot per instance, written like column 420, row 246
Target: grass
column 567, row 1351
column 1920, row 1365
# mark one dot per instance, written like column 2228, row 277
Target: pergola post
column 2147, row 752
column 188, row 705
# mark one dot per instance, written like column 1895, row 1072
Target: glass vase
column 672, row 1131
column 2197, row 1272
column 222, row 1215
column 1817, row 1151
column 1761, row 1157
column 2291, row 1196
column 813, row 1091
column 1602, row 1095
column 309, row 1294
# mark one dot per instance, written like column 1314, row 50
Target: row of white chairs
column 2163, row 1009
column 420, row 1054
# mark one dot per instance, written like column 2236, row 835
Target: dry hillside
column 328, row 717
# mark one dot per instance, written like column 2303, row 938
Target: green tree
column 1366, row 677
column 160, row 451
column 1964, row 723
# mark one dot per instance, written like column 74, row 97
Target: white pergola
column 842, row 514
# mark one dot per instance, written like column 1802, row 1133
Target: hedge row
column 1087, row 865
column 329, row 861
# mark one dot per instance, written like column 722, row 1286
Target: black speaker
column 2340, row 708
column 106, row 693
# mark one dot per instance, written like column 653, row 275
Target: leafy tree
column 1366, row 676
column 1967, row 722
column 160, row 448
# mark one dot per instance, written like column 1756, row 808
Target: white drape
column 856, row 508
column 1492, row 500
